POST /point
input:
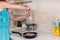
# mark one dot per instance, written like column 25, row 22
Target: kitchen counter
column 41, row 36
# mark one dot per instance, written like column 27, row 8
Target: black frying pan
column 30, row 35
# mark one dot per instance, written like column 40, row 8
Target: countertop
column 41, row 36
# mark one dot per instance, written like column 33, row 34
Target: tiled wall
column 45, row 11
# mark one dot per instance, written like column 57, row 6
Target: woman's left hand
column 20, row 18
column 24, row 16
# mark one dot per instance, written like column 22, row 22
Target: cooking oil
column 57, row 27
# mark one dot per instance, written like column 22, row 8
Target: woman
column 5, row 18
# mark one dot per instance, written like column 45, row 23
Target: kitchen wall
column 44, row 13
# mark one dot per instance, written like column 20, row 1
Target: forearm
column 16, row 6
column 21, row 7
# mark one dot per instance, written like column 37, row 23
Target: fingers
column 29, row 13
column 28, row 9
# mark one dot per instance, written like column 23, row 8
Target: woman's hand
column 20, row 18
column 16, row 18
column 24, row 16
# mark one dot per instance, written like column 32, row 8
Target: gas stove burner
column 30, row 35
